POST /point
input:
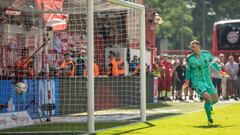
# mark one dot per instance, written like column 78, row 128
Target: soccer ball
column 20, row 88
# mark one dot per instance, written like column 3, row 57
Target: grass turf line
column 227, row 121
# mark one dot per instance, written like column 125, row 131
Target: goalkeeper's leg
column 207, row 106
column 214, row 96
column 214, row 99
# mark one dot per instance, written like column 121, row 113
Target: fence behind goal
column 45, row 55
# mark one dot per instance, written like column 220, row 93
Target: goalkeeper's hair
column 194, row 42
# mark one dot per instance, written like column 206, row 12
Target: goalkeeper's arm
column 188, row 75
column 217, row 68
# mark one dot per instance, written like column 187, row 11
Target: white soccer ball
column 20, row 88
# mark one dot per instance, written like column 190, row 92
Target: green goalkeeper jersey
column 198, row 68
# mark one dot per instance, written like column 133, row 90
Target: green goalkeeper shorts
column 200, row 88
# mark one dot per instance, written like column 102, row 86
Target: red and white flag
column 56, row 20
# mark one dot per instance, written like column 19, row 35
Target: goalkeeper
column 198, row 71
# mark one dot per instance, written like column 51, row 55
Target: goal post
column 90, row 85
column 90, row 12
column 141, row 8
column 82, row 62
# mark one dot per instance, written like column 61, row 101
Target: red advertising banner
column 56, row 20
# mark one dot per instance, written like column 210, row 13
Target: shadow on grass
column 212, row 126
column 148, row 125
column 150, row 105
column 48, row 128
column 45, row 133
column 157, row 105
column 157, row 116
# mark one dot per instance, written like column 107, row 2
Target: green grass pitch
column 226, row 119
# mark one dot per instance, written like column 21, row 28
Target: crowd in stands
column 171, row 77
column 170, row 71
column 75, row 64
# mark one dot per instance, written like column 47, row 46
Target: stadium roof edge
column 128, row 4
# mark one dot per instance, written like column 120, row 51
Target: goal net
column 44, row 70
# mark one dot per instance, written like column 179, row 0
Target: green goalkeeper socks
column 207, row 107
column 213, row 101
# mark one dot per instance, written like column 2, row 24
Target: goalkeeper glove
column 223, row 74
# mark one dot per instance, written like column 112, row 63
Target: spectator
column 134, row 63
column 113, row 65
column 175, row 63
column 67, row 68
column 222, row 58
column 96, row 70
column 120, row 62
column 232, row 70
column 156, row 68
column 224, row 80
column 137, row 70
column 216, row 78
column 81, row 62
column 166, row 82
column 24, row 66
column 180, row 77
column 106, row 29
column 114, row 36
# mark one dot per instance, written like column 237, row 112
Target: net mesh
column 44, row 46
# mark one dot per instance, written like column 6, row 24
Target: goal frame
column 90, row 58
